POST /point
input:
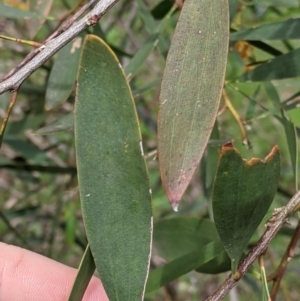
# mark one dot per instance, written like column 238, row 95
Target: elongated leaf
column 85, row 272
column 292, row 142
column 265, row 295
column 63, row 74
column 142, row 54
column 16, row 13
column 210, row 161
column 274, row 70
column 288, row 29
column 173, row 238
column 243, row 192
column 162, row 8
column 41, row 7
column 289, row 128
column 63, row 124
column 182, row 265
column 152, row 27
column 273, row 95
column 112, row 175
column 233, row 7
column 26, row 149
column 146, row 16
column 291, row 102
column 277, row 3
column 190, row 91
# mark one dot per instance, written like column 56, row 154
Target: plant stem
column 25, row 42
column 237, row 118
column 288, row 255
column 54, row 45
column 8, row 112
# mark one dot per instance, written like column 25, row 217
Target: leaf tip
column 175, row 204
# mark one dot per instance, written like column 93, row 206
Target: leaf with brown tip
column 190, row 91
column 242, row 194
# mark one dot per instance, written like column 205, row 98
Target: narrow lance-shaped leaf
column 233, row 7
column 176, row 237
column 183, row 264
column 277, row 3
column 242, row 194
column 288, row 29
column 190, row 91
column 292, row 143
column 42, row 7
column 63, row 74
column 273, row 69
column 289, row 128
column 10, row 12
column 84, row 274
column 64, row 124
column 112, row 175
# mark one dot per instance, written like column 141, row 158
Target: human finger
column 27, row 276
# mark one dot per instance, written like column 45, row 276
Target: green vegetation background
column 39, row 199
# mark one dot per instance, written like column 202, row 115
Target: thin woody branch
column 54, row 45
column 61, row 28
column 277, row 276
column 260, row 247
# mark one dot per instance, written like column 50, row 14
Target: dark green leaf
column 289, row 128
column 288, row 29
column 162, row 8
column 272, row 94
column 15, row 13
column 85, row 272
column 292, row 142
column 190, row 91
column 173, row 238
column 153, row 28
column 278, row 3
column 146, row 16
column 112, row 175
column 242, row 194
column 140, row 57
column 63, row 124
column 182, row 265
column 211, row 161
column 26, row 149
column 233, row 7
column 274, row 68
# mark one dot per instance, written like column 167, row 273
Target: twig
column 238, row 119
column 8, row 112
column 73, row 9
column 52, row 46
column 26, row 42
column 263, row 277
column 61, row 28
column 260, row 247
column 40, row 168
column 71, row 20
column 288, row 255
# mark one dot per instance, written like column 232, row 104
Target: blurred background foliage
column 39, row 200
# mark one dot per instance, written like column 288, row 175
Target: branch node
column 42, row 48
column 93, row 20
